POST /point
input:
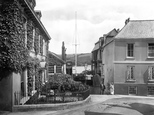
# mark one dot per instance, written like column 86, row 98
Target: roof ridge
column 140, row 20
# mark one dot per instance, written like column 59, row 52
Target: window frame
column 25, row 29
column 148, row 50
column 129, row 71
column 151, row 77
column 135, row 89
column 33, row 38
column 127, row 50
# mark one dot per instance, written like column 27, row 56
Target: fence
column 20, row 98
column 37, row 98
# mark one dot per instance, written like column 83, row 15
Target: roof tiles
column 137, row 29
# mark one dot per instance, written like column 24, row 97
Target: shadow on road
column 145, row 109
column 96, row 113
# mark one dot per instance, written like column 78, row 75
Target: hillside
column 83, row 58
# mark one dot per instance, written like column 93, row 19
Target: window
column 33, row 37
column 58, row 69
column 151, row 73
column 130, row 73
column 151, row 50
column 132, row 90
column 130, row 50
column 150, row 90
column 25, row 30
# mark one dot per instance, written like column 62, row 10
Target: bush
column 64, row 82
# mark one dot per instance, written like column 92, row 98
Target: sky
column 94, row 19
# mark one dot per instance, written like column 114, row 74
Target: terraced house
column 134, row 58
column 23, row 52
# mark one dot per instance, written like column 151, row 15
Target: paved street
column 105, row 105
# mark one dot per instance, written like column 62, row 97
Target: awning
column 96, row 47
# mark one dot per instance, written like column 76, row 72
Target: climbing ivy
column 33, row 66
column 13, row 53
column 29, row 35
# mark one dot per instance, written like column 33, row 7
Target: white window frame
column 151, row 72
column 128, row 49
column 33, row 37
column 135, row 88
column 25, row 30
column 148, row 50
column 130, row 73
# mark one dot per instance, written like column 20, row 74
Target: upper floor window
column 151, row 50
column 25, row 30
column 130, row 73
column 130, row 50
column 151, row 73
column 33, row 37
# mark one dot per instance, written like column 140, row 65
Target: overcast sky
column 94, row 18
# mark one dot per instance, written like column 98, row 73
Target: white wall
column 80, row 69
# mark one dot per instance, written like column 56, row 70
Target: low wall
column 6, row 93
column 50, row 107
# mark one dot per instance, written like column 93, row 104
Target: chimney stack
column 63, row 52
column 38, row 13
column 126, row 21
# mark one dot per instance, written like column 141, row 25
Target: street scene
column 91, row 57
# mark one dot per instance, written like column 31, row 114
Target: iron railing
column 47, row 98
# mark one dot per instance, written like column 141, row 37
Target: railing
column 47, row 98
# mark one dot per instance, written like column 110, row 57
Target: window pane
column 130, row 50
column 152, row 73
column 130, row 73
column 151, row 49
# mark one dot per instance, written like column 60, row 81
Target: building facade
column 96, row 65
column 134, row 58
column 108, row 57
column 24, row 44
column 56, row 65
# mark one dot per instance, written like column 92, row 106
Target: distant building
column 56, row 64
column 108, row 57
column 102, row 55
column 80, row 69
column 134, row 58
column 97, row 57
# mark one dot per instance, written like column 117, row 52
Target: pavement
column 103, row 105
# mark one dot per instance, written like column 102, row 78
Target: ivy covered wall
column 14, row 53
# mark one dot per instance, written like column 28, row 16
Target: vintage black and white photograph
column 76, row 57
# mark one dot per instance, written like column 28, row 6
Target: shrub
column 64, row 82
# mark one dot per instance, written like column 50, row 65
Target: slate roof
column 96, row 46
column 54, row 58
column 137, row 29
column 112, row 33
